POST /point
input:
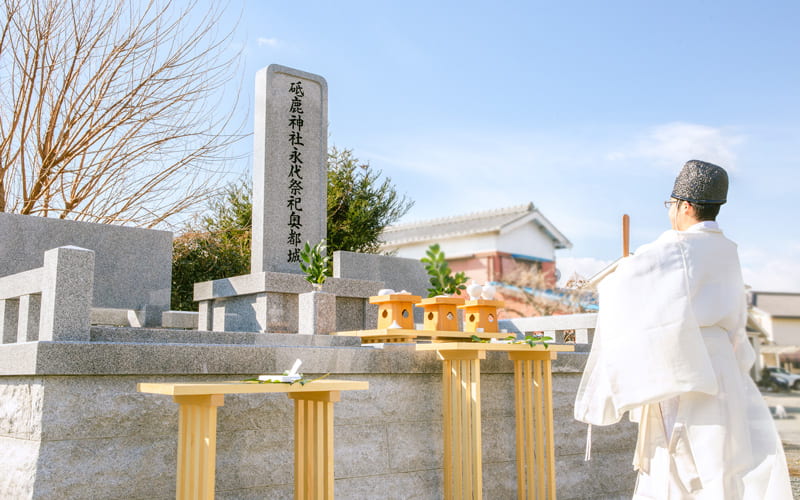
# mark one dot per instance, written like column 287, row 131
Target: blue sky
column 587, row 109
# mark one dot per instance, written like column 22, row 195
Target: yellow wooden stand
column 396, row 308
column 480, row 315
column 313, row 444
column 400, row 335
column 197, row 445
column 441, row 313
column 461, row 422
column 461, row 417
column 197, row 432
column 533, row 402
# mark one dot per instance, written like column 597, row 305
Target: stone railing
column 578, row 328
column 52, row 302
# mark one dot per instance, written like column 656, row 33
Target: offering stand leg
column 533, row 401
column 461, row 422
column 313, row 444
column 197, row 446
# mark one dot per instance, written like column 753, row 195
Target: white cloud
column 774, row 270
column 781, row 275
column 268, row 42
column 674, row 143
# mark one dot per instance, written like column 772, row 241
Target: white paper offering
column 288, row 376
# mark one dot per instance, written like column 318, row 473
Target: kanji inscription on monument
column 289, row 167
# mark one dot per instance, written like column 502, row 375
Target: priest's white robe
column 670, row 348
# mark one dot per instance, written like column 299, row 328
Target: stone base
column 185, row 320
column 317, row 313
column 268, row 302
column 150, row 317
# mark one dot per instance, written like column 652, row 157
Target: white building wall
column 527, row 240
column 452, row 248
column 786, row 331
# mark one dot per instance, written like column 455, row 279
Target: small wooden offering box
column 395, row 308
column 441, row 313
column 481, row 315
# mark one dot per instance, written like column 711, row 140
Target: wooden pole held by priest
column 626, row 235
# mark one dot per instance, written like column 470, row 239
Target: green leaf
column 306, row 381
column 440, row 275
column 317, row 263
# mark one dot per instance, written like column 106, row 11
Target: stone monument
column 290, row 177
column 290, row 180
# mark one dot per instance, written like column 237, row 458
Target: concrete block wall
column 73, row 426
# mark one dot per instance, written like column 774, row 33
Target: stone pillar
column 205, row 313
column 218, row 313
column 67, row 284
column 317, row 313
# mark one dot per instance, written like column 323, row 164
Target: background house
column 778, row 314
column 492, row 246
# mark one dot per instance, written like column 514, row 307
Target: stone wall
column 394, row 272
column 73, row 426
column 132, row 268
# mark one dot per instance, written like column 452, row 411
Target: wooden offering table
column 461, row 408
column 197, row 431
column 408, row 336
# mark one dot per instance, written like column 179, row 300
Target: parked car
column 790, row 379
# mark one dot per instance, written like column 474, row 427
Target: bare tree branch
column 530, row 288
column 108, row 109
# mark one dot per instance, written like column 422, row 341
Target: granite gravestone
column 289, row 167
column 290, row 191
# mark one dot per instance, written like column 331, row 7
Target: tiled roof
column 471, row 224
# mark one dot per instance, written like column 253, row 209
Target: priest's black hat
column 701, row 182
